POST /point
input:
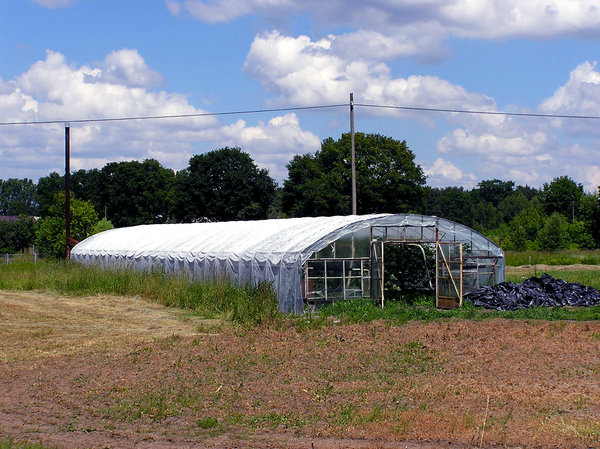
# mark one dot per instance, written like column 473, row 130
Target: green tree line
column 226, row 184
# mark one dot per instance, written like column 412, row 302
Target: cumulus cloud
column 128, row 68
column 272, row 144
column 306, row 72
column 411, row 27
column 54, row 90
column 462, row 141
column 444, row 173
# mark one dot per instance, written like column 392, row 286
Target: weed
column 413, row 358
column 12, row 444
column 323, row 393
column 589, row 431
column 235, row 419
column 207, row 423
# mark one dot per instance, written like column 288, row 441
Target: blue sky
column 68, row 60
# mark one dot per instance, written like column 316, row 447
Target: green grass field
column 258, row 305
column 566, row 257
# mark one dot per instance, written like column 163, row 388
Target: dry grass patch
column 38, row 325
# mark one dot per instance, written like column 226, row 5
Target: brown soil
column 108, row 372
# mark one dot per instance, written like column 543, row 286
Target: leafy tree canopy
column 562, row 195
column 222, row 185
column 387, row 178
column 18, row 197
column 47, row 188
column 134, row 192
column 16, row 236
column 51, row 234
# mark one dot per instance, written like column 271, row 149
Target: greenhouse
column 313, row 260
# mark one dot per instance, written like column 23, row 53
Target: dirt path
column 108, row 372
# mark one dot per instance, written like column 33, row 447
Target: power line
column 157, row 117
column 303, row 108
column 466, row 111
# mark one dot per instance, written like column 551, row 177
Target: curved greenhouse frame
column 305, row 259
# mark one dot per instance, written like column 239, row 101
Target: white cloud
column 306, row 72
column 54, row 90
column 462, row 141
column 272, row 144
column 591, row 176
column 444, row 173
column 128, row 68
column 580, row 96
column 414, row 27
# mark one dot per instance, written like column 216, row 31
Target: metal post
column 354, row 211
column 67, row 188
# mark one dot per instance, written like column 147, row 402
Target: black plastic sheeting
column 544, row 291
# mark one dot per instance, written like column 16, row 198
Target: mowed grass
column 218, row 298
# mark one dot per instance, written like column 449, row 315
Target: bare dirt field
column 111, row 372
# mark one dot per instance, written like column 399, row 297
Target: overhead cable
column 174, row 116
column 304, row 108
column 467, row 111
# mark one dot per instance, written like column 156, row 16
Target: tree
column 17, row 197
column 562, row 195
column 387, row 178
column 102, row 225
column 222, row 185
column 453, row 203
column 522, row 232
column 590, row 215
column 88, row 185
column 135, row 192
column 47, row 188
column 51, row 235
column 511, row 205
column 554, row 234
column 493, row 191
column 17, row 235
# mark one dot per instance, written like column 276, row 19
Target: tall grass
column 566, row 257
column 216, row 298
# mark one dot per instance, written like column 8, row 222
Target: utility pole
column 354, row 212
column 68, row 188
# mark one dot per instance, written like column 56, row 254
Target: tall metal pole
column 354, row 212
column 67, row 188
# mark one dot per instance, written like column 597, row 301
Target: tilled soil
column 107, row 372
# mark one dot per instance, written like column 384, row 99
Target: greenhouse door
column 448, row 275
column 377, row 272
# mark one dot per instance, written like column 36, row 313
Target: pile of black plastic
column 544, row 291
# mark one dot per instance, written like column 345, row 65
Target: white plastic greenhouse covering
column 249, row 251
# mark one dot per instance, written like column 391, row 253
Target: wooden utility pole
column 354, row 211
column 68, row 189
